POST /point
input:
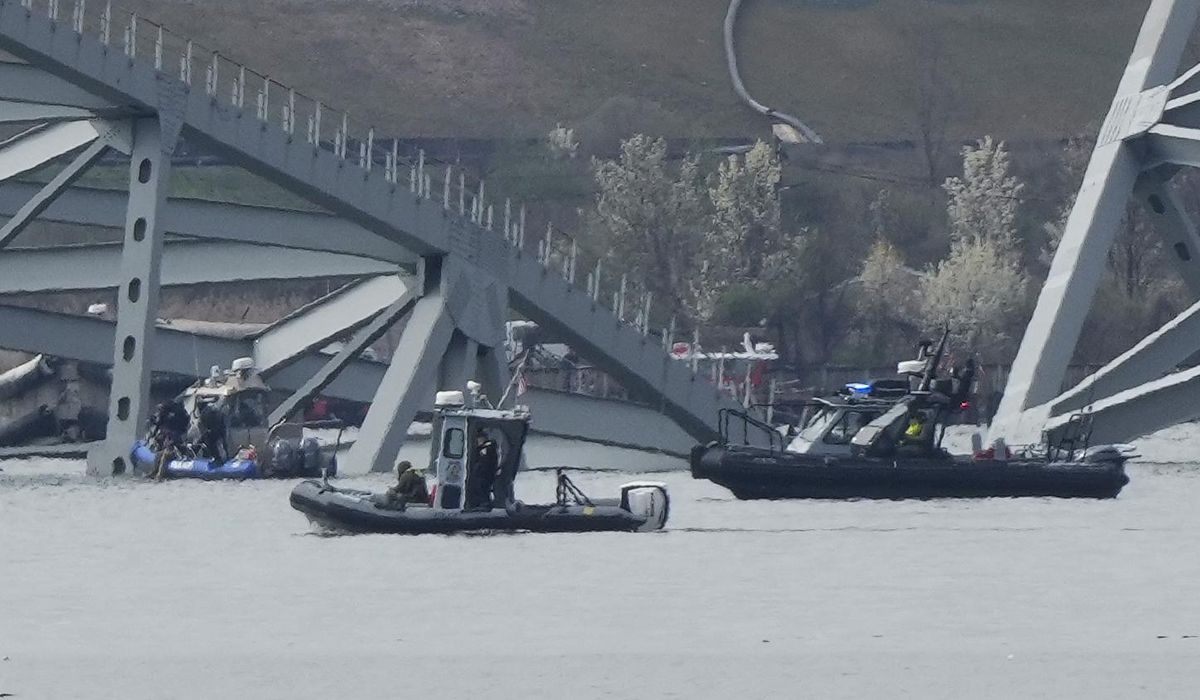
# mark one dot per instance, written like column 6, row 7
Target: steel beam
column 1132, row 413
column 317, row 324
column 285, row 228
column 38, row 146
column 46, row 196
column 173, row 351
column 493, row 372
column 407, row 386
column 137, row 304
column 365, row 197
column 1172, row 222
column 1156, row 355
column 26, row 113
column 362, row 339
column 1075, row 274
column 458, row 363
column 217, row 220
column 97, row 265
column 1172, row 145
column 20, row 82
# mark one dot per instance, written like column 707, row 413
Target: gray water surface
column 134, row 590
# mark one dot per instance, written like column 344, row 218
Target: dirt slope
column 500, row 68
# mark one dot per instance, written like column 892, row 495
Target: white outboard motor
column 649, row 500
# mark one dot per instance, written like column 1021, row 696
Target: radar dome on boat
column 242, row 364
column 914, row 367
column 448, row 398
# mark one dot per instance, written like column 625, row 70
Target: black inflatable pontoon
column 762, row 473
column 475, row 454
column 866, row 443
column 342, row 510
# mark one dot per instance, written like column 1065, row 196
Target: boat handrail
column 723, row 419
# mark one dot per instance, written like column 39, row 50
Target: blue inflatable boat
column 197, row 467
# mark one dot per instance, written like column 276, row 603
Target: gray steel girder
column 353, row 348
column 315, row 325
column 285, row 228
column 408, row 385
column 38, row 146
column 46, row 196
column 97, row 265
column 91, row 340
column 1172, row 222
column 26, row 113
column 1071, row 284
column 1156, row 355
column 137, row 301
column 1135, row 412
column 24, row 83
column 365, row 198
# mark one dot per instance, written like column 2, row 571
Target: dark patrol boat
column 876, row 442
column 461, row 500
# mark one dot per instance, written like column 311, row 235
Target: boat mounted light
column 859, row 388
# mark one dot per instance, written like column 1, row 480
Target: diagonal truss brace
column 33, row 148
column 353, row 348
column 1156, row 355
column 46, row 196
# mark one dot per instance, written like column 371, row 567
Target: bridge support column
column 408, row 384
column 1115, row 167
column 493, row 372
column 459, row 363
column 137, row 301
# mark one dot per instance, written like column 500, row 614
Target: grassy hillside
column 502, row 68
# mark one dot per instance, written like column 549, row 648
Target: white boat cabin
column 462, row 479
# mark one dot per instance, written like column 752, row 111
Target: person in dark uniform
column 410, row 486
column 211, row 423
column 168, row 427
column 484, row 463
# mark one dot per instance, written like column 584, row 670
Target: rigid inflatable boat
column 876, row 442
column 473, row 488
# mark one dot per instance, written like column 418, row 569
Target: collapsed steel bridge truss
column 86, row 80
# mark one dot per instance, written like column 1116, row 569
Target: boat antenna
column 932, row 362
column 515, row 378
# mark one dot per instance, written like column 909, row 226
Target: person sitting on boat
column 917, row 438
column 484, row 462
column 410, row 486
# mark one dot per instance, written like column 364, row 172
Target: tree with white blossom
column 651, row 215
column 979, row 290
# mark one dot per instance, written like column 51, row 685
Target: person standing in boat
column 484, row 462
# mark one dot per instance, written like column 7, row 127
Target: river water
column 134, row 590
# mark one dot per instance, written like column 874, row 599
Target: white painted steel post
column 106, row 23
column 185, row 64
column 158, row 50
